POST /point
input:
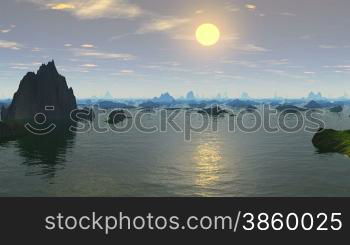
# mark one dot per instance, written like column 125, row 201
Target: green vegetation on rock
column 330, row 140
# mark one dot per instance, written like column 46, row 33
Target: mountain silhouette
column 43, row 92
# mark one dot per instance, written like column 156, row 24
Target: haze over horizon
column 141, row 49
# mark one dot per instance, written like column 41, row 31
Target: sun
column 208, row 34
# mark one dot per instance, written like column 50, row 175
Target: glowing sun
column 208, row 34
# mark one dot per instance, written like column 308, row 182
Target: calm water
column 213, row 163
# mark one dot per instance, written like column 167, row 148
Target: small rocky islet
column 336, row 109
column 332, row 141
column 118, row 116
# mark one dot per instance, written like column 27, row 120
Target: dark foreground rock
column 43, row 92
column 329, row 140
column 11, row 131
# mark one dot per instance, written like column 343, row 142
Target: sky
column 143, row 48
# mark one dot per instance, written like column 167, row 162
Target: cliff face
column 46, row 89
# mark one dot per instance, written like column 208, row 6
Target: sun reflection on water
column 207, row 159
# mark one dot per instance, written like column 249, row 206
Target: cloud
column 288, row 14
column 250, row 6
column 276, row 62
column 7, row 30
column 244, row 63
column 251, row 48
column 24, row 66
column 184, row 37
column 20, row 67
column 328, row 46
column 162, row 24
column 61, row 6
column 10, row 45
column 27, row 64
column 92, row 9
column 126, row 71
column 191, row 37
column 231, row 8
column 68, row 45
column 103, row 55
column 89, row 65
column 87, row 46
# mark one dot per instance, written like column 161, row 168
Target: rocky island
column 43, row 92
column 336, row 109
column 213, row 111
column 289, row 108
column 330, row 140
column 117, row 116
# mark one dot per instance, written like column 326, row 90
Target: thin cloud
column 27, row 64
column 7, row 30
column 231, row 8
column 87, row 46
column 126, row 71
column 248, row 64
column 251, row 48
column 89, row 65
column 20, row 67
column 92, row 9
column 103, row 55
column 276, row 62
column 288, row 14
column 24, row 66
column 61, row 6
column 10, row 45
column 162, row 24
column 250, row 6
column 184, row 37
column 191, row 37
column 328, row 46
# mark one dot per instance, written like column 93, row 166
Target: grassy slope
column 330, row 140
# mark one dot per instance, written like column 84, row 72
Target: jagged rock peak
column 49, row 68
column 36, row 92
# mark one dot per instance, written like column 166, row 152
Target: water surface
column 213, row 163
